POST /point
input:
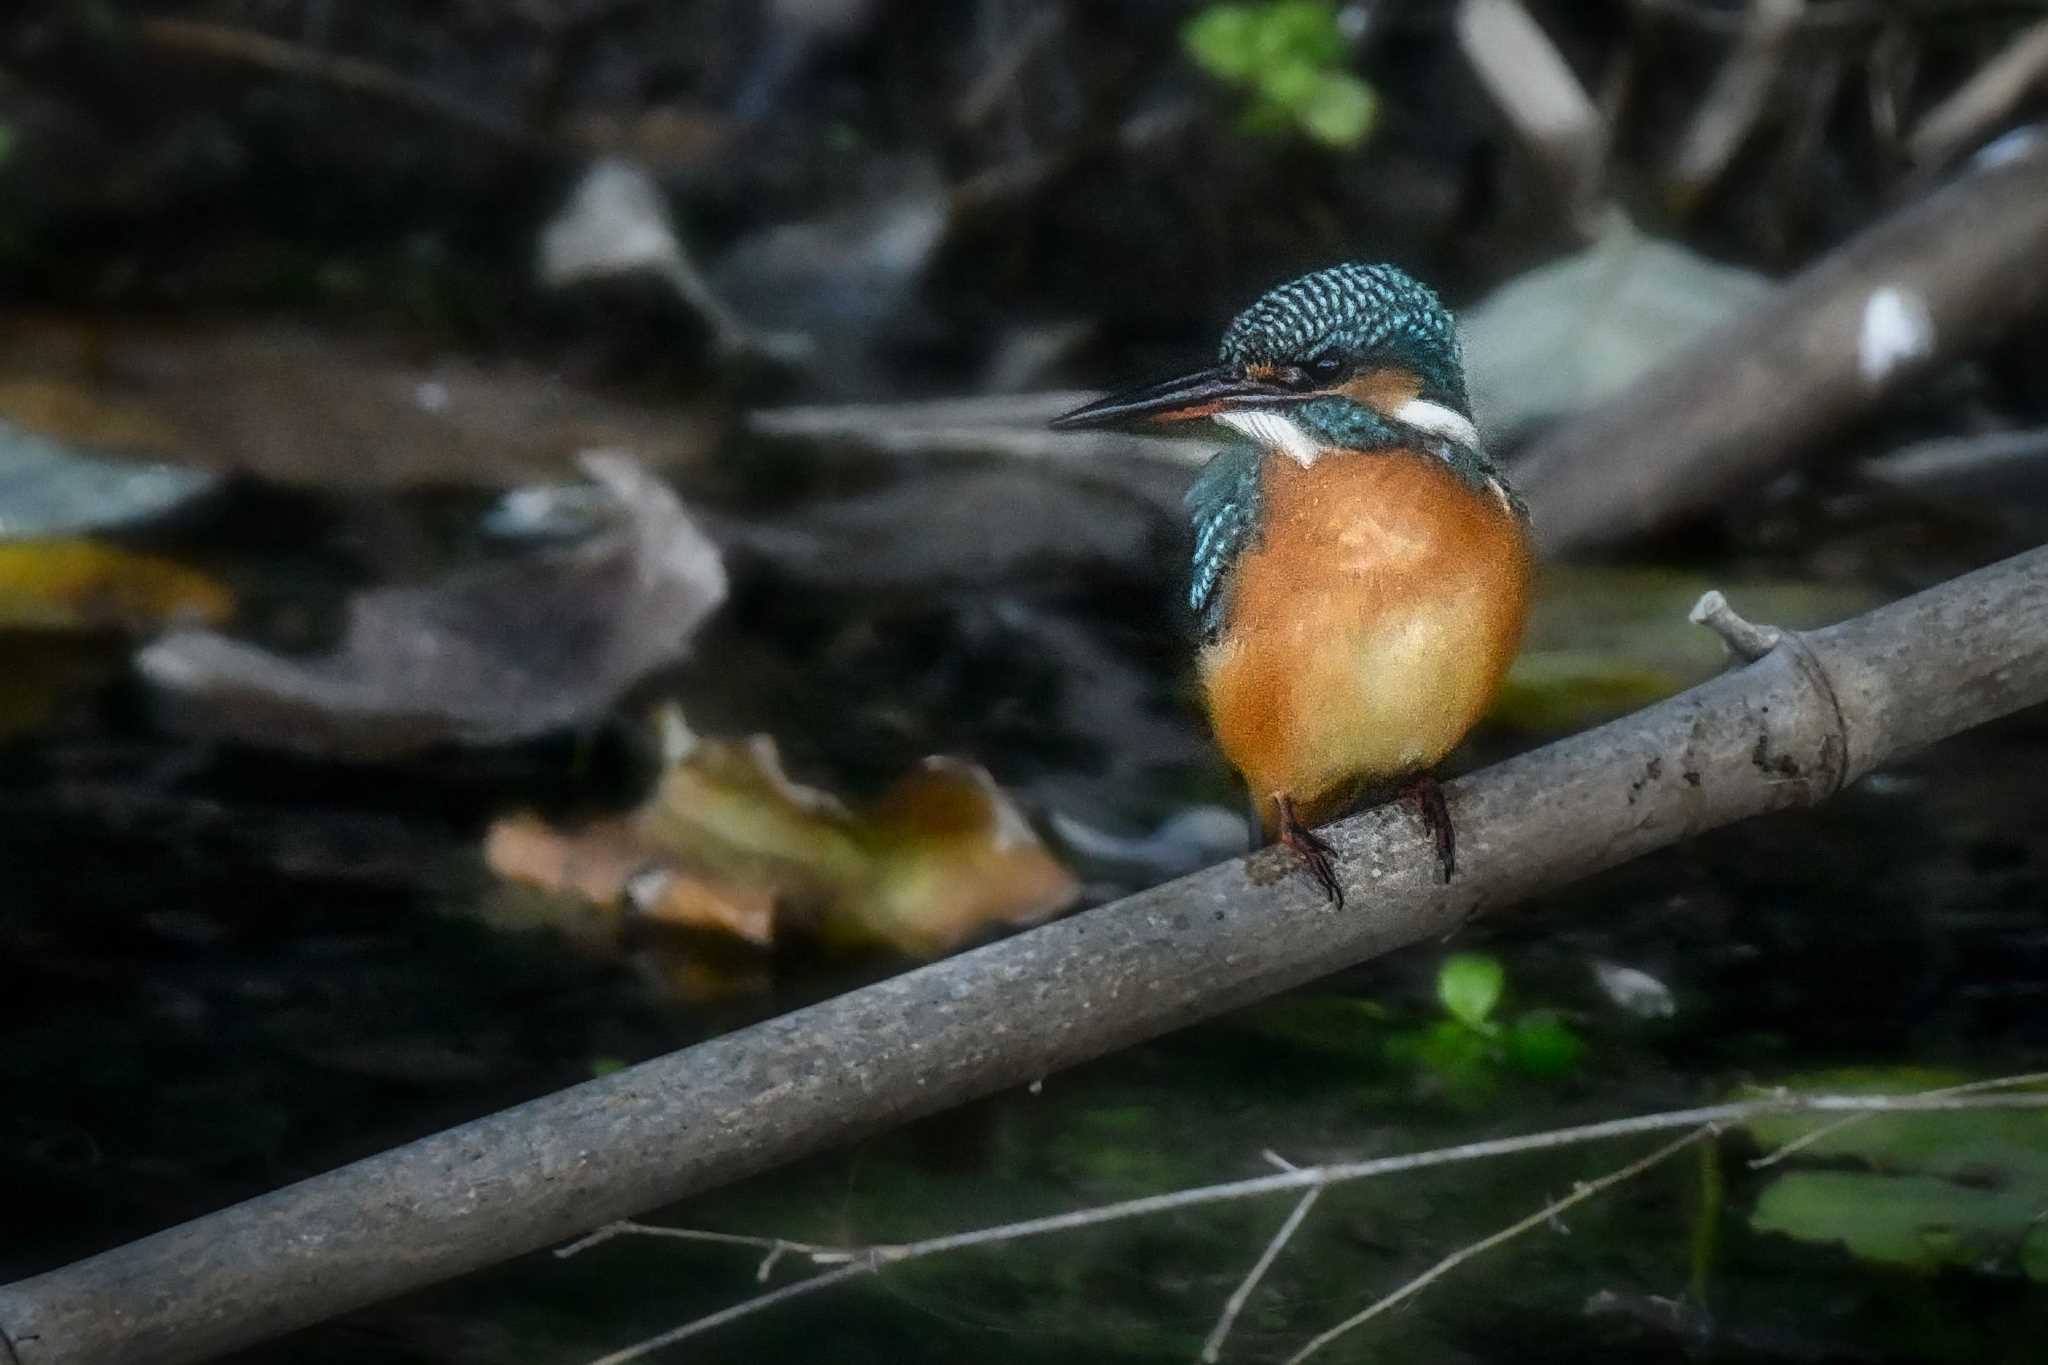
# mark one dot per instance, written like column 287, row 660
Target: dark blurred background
column 370, row 757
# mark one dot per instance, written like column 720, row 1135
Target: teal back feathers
column 1223, row 503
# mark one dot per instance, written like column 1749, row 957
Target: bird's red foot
column 1314, row 851
column 1428, row 797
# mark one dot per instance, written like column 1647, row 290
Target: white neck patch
column 1275, row 431
column 1438, row 420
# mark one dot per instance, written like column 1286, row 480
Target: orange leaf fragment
column 727, row 842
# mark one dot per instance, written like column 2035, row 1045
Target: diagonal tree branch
column 1791, row 729
column 1936, row 280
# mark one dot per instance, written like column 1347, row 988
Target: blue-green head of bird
column 1354, row 357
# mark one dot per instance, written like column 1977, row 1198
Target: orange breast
column 1370, row 625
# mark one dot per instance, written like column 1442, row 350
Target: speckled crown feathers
column 1358, row 311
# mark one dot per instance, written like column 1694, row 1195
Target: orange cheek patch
column 1383, row 390
column 1186, row 414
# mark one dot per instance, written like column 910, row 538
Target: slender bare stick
column 1212, row 1349
column 854, row 1261
column 1737, row 98
column 824, row 1280
column 261, row 50
column 625, row 1227
column 1982, row 101
column 1778, row 1154
column 1457, row 1258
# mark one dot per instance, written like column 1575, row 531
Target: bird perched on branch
column 1361, row 570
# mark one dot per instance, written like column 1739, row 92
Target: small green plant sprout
column 1470, row 985
column 1289, row 57
column 1468, row 1050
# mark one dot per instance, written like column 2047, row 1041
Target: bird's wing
column 1223, row 504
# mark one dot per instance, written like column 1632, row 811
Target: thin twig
column 1736, row 99
column 775, row 1246
column 743, row 1309
column 1457, row 1258
column 1984, row 100
column 1994, row 465
column 853, row 1261
column 989, row 89
column 1778, row 1154
column 1538, row 94
column 226, row 43
column 1212, row 1349
column 1720, row 19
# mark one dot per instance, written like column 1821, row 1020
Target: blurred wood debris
column 223, row 42
column 492, row 654
column 308, row 408
column 1737, row 98
column 1542, row 101
column 617, row 223
column 1931, row 283
column 1006, row 426
column 1968, row 114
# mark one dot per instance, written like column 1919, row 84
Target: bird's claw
column 1317, row 857
column 1428, row 796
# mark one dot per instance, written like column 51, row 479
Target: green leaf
column 1301, row 30
column 1469, row 984
column 1542, row 1044
column 1934, row 1189
column 1915, row 1222
column 2013, row 1143
column 1461, row 1060
column 1222, row 40
column 1290, row 84
column 1341, row 110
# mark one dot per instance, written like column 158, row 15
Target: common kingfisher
column 1361, row 569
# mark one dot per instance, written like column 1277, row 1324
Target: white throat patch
column 1438, row 420
column 1275, row 431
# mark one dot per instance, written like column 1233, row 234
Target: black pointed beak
column 1201, row 394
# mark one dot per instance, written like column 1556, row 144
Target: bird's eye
column 1324, row 368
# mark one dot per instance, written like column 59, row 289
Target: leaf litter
column 491, row 654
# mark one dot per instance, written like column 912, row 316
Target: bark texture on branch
column 1936, row 280
column 1789, row 730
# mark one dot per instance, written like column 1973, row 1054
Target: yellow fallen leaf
column 942, row 857
column 949, row 856
column 728, row 808
column 86, row 585
column 728, row 843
